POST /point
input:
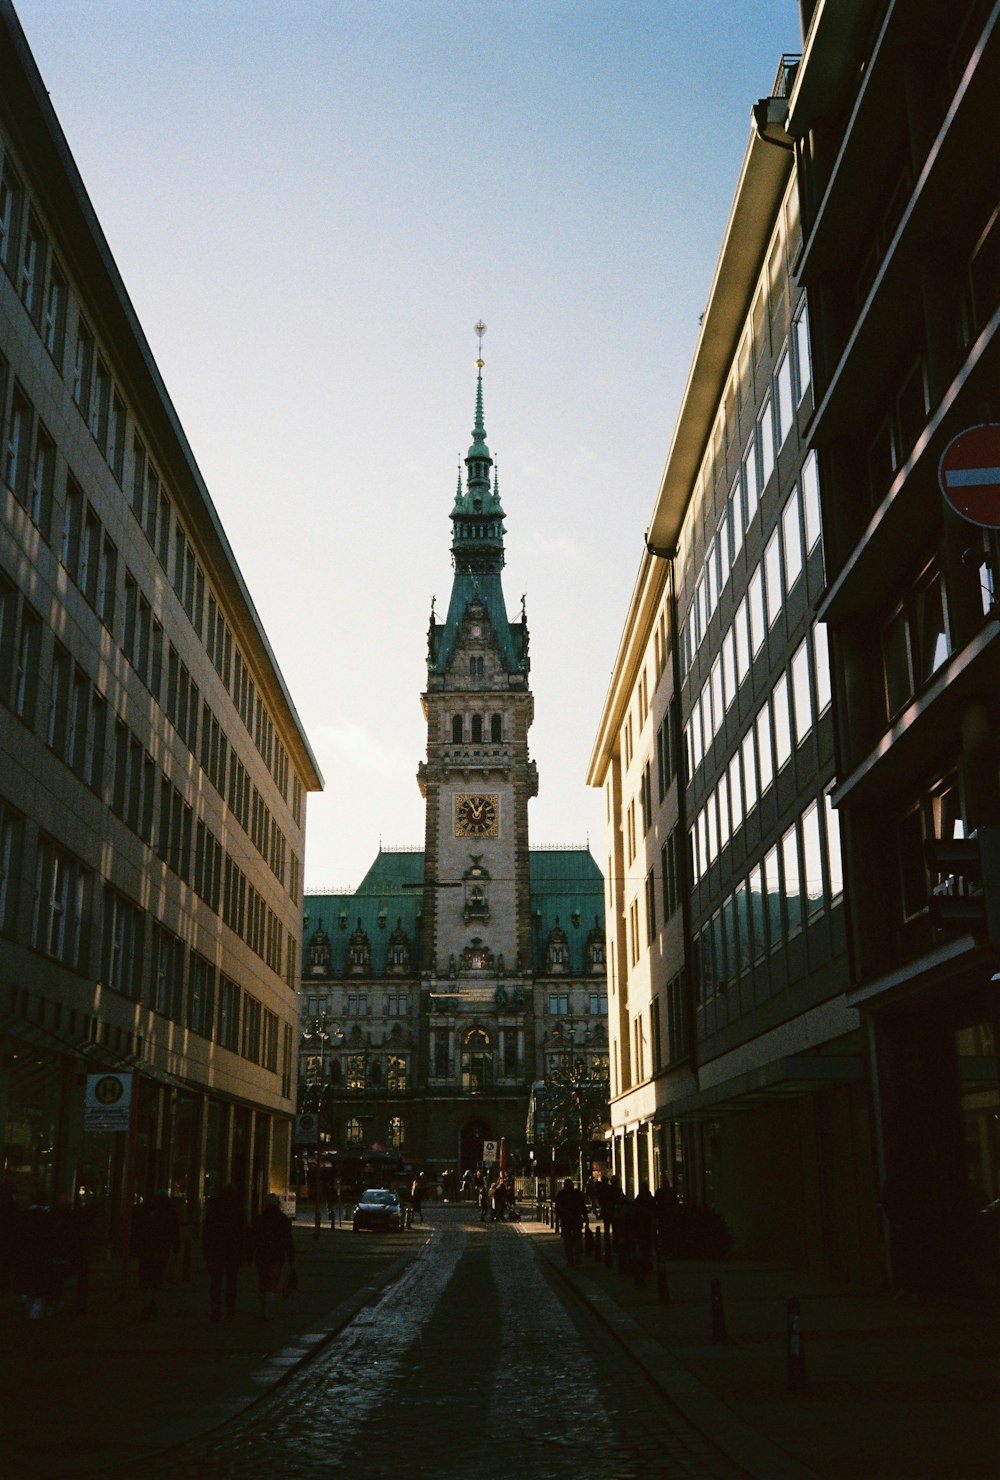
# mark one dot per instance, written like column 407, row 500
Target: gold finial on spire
column 479, row 330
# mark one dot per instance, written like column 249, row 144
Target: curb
column 731, row 1435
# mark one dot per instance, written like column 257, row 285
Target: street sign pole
column 129, row 1193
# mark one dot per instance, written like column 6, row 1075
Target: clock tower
column 478, row 776
column 439, row 995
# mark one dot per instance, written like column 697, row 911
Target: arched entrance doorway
column 474, row 1133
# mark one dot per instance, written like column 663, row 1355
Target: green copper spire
column 477, row 550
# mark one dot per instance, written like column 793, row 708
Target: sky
column 311, row 203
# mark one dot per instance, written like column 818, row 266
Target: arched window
column 475, row 667
column 456, row 729
column 477, row 729
column 477, row 1061
column 496, row 728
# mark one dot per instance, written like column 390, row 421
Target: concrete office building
column 894, row 118
column 737, row 1062
column 154, row 772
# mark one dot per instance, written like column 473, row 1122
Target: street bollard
column 662, row 1287
column 796, row 1350
column 609, row 1252
column 718, row 1313
column 598, row 1249
column 588, row 1241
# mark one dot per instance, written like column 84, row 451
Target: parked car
column 379, row 1210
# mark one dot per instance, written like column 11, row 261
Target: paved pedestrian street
column 473, row 1362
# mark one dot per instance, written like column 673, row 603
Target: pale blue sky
column 311, row 203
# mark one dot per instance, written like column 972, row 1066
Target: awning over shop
column 786, row 1078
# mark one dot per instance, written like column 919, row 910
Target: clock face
column 477, row 816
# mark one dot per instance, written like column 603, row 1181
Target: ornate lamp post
column 317, row 1039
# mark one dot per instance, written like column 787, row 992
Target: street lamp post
column 319, row 1035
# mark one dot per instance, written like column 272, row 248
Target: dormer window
column 359, row 952
column 319, row 952
column 398, row 956
column 595, row 948
column 475, row 667
column 557, row 950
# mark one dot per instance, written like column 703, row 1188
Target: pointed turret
column 477, row 552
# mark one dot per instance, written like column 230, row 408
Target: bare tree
column 577, row 1104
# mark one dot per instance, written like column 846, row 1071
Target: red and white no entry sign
column 969, row 474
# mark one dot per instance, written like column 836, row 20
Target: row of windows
column 476, row 729
column 803, row 886
column 741, row 642
column 796, row 878
column 794, row 537
column 358, row 1071
column 168, row 977
column 744, row 500
column 29, row 466
column 354, row 1132
column 782, row 723
column 92, row 560
column 76, row 730
column 355, row 1004
column 735, row 428
column 559, row 1004
column 772, row 425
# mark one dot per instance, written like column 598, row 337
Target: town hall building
column 438, row 995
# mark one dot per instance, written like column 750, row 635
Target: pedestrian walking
column 33, row 1259
column 417, row 1198
column 69, row 1251
column 10, row 1225
column 667, row 1203
column 498, row 1199
column 643, row 1225
column 271, row 1242
column 611, row 1200
column 155, row 1236
column 225, row 1243
column 571, row 1210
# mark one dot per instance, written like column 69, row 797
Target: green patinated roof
column 567, row 888
column 393, row 868
column 379, row 904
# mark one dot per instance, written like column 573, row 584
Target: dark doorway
column 471, row 1152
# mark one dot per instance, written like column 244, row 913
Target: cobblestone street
column 471, row 1363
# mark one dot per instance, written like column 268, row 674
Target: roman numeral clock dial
column 477, row 816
